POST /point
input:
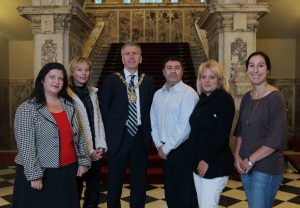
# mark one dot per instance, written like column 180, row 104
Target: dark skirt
column 59, row 189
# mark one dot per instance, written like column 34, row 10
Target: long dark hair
column 38, row 93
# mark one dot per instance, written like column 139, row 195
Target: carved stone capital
column 233, row 16
column 49, row 19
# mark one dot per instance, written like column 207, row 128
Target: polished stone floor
column 233, row 195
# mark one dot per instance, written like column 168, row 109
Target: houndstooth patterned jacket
column 37, row 138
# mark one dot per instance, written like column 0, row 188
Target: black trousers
column 180, row 190
column 132, row 151
column 59, row 189
column 92, row 190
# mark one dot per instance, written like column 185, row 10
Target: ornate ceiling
column 282, row 22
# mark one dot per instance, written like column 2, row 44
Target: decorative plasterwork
column 223, row 14
column 48, row 52
column 238, row 51
column 239, row 82
column 138, row 26
column 163, row 26
column 58, row 17
column 124, row 26
column 177, row 26
column 12, row 94
column 150, row 26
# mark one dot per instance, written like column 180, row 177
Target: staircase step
column 153, row 56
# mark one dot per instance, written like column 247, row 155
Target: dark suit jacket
column 114, row 109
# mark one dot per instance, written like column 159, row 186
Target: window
column 150, row 1
column 98, row 1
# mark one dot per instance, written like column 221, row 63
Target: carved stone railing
column 147, row 23
column 91, row 41
column 203, row 39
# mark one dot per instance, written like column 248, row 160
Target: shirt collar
column 176, row 87
column 127, row 74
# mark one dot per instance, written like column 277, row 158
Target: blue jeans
column 261, row 188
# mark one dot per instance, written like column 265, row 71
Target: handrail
column 202, row 37
column 90, row 43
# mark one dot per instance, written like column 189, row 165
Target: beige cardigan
column 99, row 128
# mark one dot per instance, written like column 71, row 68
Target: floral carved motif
column 150, row 26
column 49, row 52
column 238, row 51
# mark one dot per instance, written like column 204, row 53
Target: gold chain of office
column 131, row 94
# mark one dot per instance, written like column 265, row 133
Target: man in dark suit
column 125, row 100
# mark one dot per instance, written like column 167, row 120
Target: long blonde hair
column 217, row 69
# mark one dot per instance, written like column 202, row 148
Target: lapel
column 43, row 110
column 76, row 98
column 68, row 108
column 123, row 86
column 142, row 91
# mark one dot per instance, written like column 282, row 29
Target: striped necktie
column 132, row 113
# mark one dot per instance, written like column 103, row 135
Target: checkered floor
column 233, row 195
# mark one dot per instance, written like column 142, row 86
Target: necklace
column 256, row 95
column 249, row 119
column 131, row 89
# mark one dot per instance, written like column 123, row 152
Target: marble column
column 231, row 27
column 59, row 28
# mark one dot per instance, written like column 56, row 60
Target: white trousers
column 209, row 190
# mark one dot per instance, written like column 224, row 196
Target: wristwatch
column 250, row 163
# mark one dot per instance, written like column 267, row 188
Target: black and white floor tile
column 233, row 195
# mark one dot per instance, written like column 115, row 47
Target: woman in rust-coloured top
column 261, row 132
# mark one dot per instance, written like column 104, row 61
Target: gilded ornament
column 131, row 89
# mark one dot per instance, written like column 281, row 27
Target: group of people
column 60, row 135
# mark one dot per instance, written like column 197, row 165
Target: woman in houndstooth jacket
column 51, row 148
column 87, row 105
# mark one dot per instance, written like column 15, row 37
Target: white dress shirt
column 137, row 92
column 170, row 113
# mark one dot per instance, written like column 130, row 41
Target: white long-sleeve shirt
column 170, row 113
